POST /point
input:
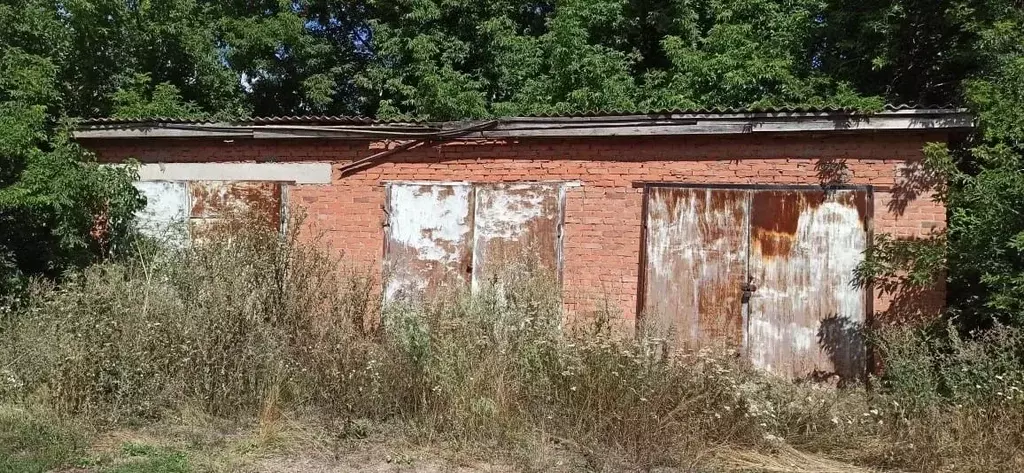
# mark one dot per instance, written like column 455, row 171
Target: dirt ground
column 197, row 444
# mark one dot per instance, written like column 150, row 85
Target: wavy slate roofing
column 365, row 120
column 591, row 123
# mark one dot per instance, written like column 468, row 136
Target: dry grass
column 253, row 350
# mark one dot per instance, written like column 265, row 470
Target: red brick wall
column 602, row 223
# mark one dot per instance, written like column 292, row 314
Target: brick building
column 732, row 226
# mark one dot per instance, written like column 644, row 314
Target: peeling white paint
column 166, row 212
column 428, row 230
column 509, row 212
column 797, row 292
column 460, row 232
column 504, row 209
column 428, row 217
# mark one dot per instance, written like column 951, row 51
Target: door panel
column 220, row 206
column 516, row 225
column 429, row 238
column 805, row 316
column 695, row 264
column 166, row 213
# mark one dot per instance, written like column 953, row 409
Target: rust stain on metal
column 428, row 238
column 516, row 224
column 221, row 199
column 805, row 317
column 215, row 206
column 695, row 263
column 858, row 200
column 774, row 217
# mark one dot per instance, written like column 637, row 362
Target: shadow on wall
column 911, row 305
column 832, row 172
column 844, row 341
column 913, row 180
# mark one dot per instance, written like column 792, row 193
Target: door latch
column 748, row 289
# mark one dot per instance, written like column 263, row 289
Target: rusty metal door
column 696, row 251
column 218, row 206
column 177, row 211
column 453, row 234
column 766, row 270
column 805, row 316
column 516, row 226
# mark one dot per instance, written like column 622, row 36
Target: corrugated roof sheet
column 363, row 120
column 290, row 119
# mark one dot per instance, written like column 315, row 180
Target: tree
column 979, row 62
column 58, row 209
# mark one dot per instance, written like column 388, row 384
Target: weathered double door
column 765, row 270
column 452, row 235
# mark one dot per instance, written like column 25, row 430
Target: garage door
column 766, row 270
column 177, row 211
column 442, row 235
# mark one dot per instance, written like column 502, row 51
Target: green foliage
column 978, row 48
column 461, row 60
column 141, row 99
column 470, row 59
column 893, row 264
column 58, row 209
column 986, row 225
column 31, row 442
column 926, row 367
column 719, row 55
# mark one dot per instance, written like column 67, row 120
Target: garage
column 737, row 228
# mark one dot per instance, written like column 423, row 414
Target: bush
column 938, row 365
column 953, row 400
column 218, row 324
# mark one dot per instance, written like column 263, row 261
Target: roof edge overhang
column 660, row 124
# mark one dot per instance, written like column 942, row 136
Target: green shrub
column 932, row 366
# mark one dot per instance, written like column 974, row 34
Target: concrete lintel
column 299, row 173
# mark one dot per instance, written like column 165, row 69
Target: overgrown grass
column 35, row 441
column 255, row 325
